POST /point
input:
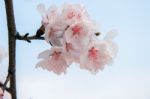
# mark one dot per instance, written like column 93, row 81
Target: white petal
column 45, row 54
column 113, row 48
column 43, row 63
column 111, row 35
column 42, row 10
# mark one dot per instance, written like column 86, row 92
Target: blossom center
column 71, row 15
column 52, row 32
column 76, row 29
column 56, row 55
column 93, row 53
column 69, row 47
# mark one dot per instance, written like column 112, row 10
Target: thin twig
column 37, row 36
column 4, row 88
column 28, row 38
column 6, row 81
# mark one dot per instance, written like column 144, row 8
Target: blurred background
column 127, row 78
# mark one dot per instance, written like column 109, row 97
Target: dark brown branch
column 12, row 46
column 4, row 88
column 28, row 38
column 6, row 82
column 40, row 31
column 37, row 36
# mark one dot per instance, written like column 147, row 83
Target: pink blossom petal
column 43, row 63
column 54, row 33
column 95, row 57
column 73, row 13
column 78, row 34
column 56, row 62
column 113, row 48
column 45, row 54
column 111, row 35
column 42, row 10
column 52, row 13
column 71, row 53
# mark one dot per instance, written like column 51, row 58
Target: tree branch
column 12, row 46
column 6, row 81
column 4, row 88
column 28, row 38
column 37, row 36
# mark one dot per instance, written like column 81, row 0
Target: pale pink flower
column 56, row 21
column 95, row 57
column 42, row 10
column 78, row 34
column 54, row 32
column 54, row 60
column 113, row 47
column 74, row 12
column 98, row 54
column 50, row 15
column 71, row 32
column 71, row 53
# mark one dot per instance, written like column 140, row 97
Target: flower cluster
column 71, row 32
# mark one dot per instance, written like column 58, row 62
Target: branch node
column 28, row 38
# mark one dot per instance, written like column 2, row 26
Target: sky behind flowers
column 127, row 78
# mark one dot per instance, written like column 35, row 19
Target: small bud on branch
column 40, row 31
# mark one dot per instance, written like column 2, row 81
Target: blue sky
column 127, row 78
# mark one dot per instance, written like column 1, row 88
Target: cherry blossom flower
column 95, row 57
column 54, row 60
column 54, row 33
column 42, row 10
column 99, row 54
column 71, row 53
column 48, row 16
column 57, row 20
column 74, row 12
column 71, row 32
column 78, row 34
